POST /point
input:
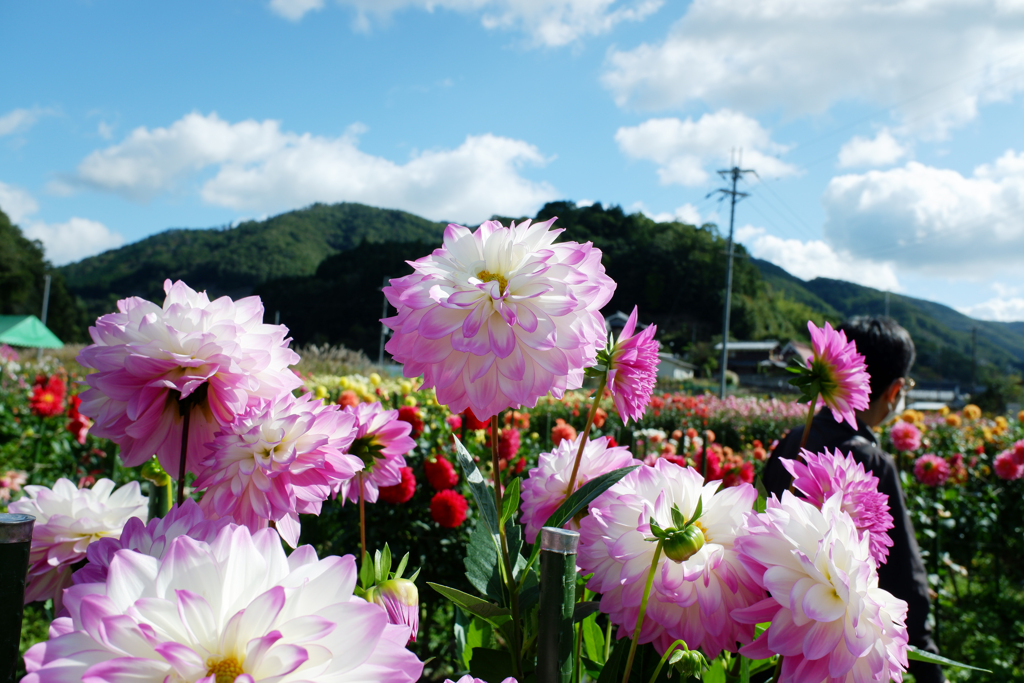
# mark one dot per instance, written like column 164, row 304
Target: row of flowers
column 497, row 319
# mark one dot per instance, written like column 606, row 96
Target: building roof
column 671, row 358
column 766, row 345
column 27, row 330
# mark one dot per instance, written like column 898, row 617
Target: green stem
column 184, row 451
column 586, row 433
column 664, row 658
column 807, row 424
column 643, row 610
column 362, row 521
column 510, row 582
column 778, row 671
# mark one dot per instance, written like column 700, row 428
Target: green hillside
column 235, row 260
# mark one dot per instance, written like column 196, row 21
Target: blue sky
column 887, row 137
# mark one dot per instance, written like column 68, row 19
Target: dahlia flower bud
column 400, row 600
column 681, row 546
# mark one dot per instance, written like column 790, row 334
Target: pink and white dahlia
column 501, row 316
column 547, row 485
column 692, row 596
column 469, row 679
column 276, row 460
column 400, row 600
column 68, row 519
column 905, row 436
column 381, row 442
column 236, row 609
column 931, row 470
column 151, row 539
column 215, row 356
column 829, row 619
column 840, row 374
column 821, row 475
column 633, row 369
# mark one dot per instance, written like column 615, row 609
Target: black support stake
column 557, row 601
column 15, row 541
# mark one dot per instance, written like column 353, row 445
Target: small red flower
column 448, row 508
column 562, row 430
column 455, row 422
column 400, row 492
column 612, row 443
column 440, row 473
column 348, row 398
column 411, row 414
column 599, row 417
column 473, row 424
column 47, row 398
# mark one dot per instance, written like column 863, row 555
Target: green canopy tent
column 27, row 330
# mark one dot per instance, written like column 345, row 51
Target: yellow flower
column 1020, row 416
column 480, row 435
column 944, row 411
column 987, row 433
column 375, row 379
column 1001, row 422
column 972, row 412
column 909, row 416
column 953, row 420
column 321, row 391
column 410, row 400
column 406, row 386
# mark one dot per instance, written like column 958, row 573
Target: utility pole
column 46, row 309
column 735, row 173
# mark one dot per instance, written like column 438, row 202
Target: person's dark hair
column 887, row 348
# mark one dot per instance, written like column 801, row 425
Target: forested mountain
column 22, row 272
column 322, row 268
column 235, row 260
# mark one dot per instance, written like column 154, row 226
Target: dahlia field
column 206, row 512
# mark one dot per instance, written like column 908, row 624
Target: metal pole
column 15, row 542
column 557, row 601
column 728, row 284
column 46, row 308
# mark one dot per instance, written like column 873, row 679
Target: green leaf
column 366, row 573
column 612, row 671
column 922, row 656
column 583, row 496
column 482, row 564
column 593, row 640
column 493, row 614
column 678, row 520
column 470, row 633
column 401, row 566
column 483, row 493
column 697, row 511
column 385, row 563
column 584, row 610
column 510, row 501
column 744, row 670
column 715, row 672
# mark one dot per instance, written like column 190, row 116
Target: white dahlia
column 236, row 610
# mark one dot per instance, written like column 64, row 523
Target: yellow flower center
column 703, row 530
column 226, row 670
column 488, row 276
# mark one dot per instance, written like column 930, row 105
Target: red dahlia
column 440, row 473
column 448, row 508
column 411, row 414
column 401, row 492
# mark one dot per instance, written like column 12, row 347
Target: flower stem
column 665, row 657
column 362, row 521
column 643, row 610
column 586, row 433
column 778, row 671
column 184, row 452
column 807, row 424
column 510, row 582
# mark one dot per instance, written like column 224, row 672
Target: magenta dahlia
column 547, row 485
column 821, row 475
column 501, row 316
column 1006, row 466
column 693, row 592
column 836, row 373
column 829, row 619
column 381, row 442
column 905, row 436
column 276, row 460
column 931, row 470
column 150, row 361
column 633, row 369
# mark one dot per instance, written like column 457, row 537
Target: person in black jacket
column 889, row 353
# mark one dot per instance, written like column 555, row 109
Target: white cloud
column 73, row 240
column 294, row 10
column 932, row 220
column 687, row 213
column 1003, row 310
column 19, row 120
column 550, row 23
column 882, row 150
column 808, row 260
column 62, row 242
column 259, row 167
column 16, row 203
column 803, row 56
column 683, row 150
